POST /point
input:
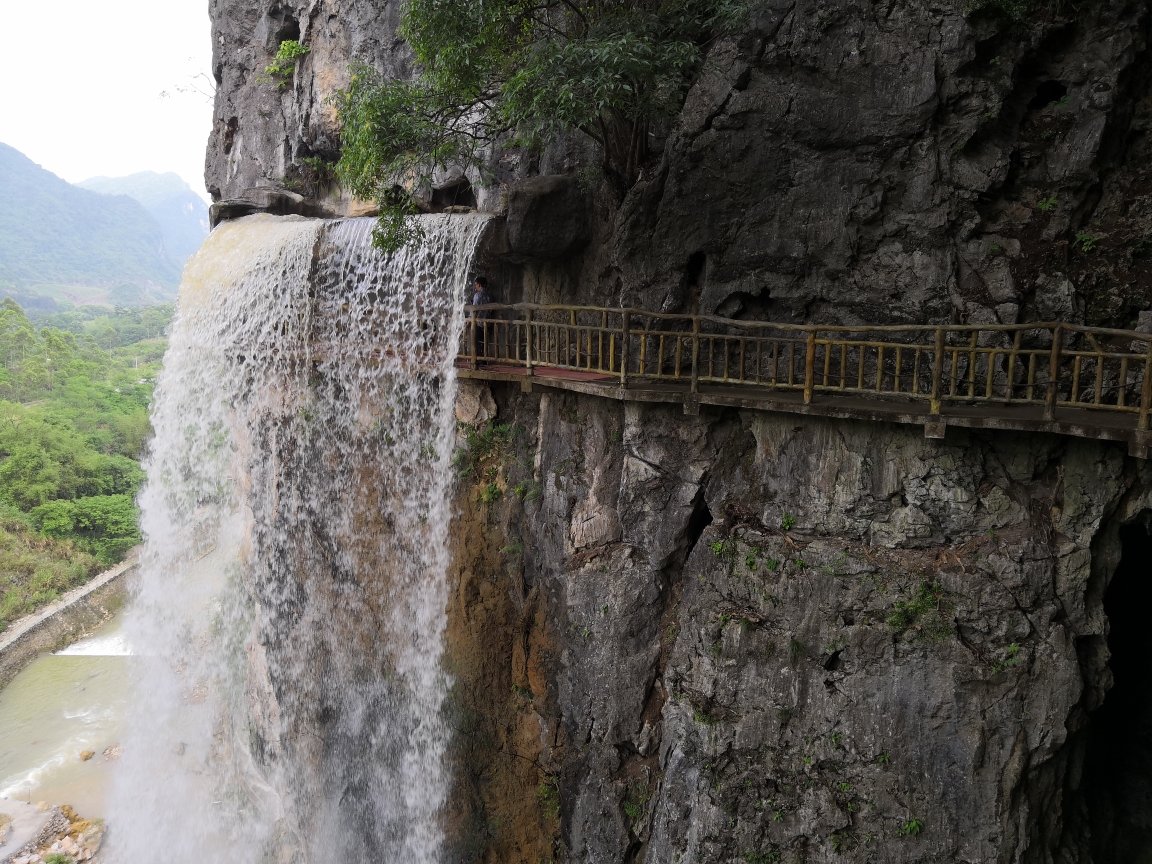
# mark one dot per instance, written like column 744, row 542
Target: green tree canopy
column 520, row 72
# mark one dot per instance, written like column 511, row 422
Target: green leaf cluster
column 518, row 73
column 483, row 443
column 284, row 64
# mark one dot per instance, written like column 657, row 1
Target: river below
column 55, row 711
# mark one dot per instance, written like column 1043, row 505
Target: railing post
column 574, row 333
column 625, row 326
column 1146, row 390
column 937, row 371
column 528, row 340
column 1052, row 396
column 695, row 354
column 472, row 336
column 809, row 366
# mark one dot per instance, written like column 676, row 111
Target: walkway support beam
column 472, row 335
column 1052, row 393
column 625, row 330
column 695, row 354
column 1146, row 391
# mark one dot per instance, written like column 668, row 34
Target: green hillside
column 54, row 235
column 73, row 425
column 180, row 212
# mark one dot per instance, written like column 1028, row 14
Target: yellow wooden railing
column 1046, row 365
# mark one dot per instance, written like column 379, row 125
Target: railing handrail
column 819, row 328
column 959, row 364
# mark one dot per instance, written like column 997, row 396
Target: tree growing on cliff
column 519, row 73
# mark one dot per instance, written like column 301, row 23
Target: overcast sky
column 82, row 83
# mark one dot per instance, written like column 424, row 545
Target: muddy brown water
column 60, row 706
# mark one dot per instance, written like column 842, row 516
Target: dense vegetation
column 73, row 424
column 520, row 73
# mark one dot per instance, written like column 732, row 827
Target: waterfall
column 290, row 613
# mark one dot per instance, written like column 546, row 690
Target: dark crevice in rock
column 694, row 277
column 833, row 663
column 700, row 519
column 1047, row 92
column 1116, row 789
column 459, row 194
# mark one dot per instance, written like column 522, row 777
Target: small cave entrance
column 459, row 194
column 692, row 283
column 1116, row 788
column 1047, row 93
column 288, row 31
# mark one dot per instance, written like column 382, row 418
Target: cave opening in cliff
column 460, row 194
column 1117, row 779
column 1047, row 93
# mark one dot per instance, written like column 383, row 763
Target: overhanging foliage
column 520, row 73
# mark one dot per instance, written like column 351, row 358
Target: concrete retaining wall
column 74, row 616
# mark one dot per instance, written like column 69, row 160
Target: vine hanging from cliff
column 520, row 73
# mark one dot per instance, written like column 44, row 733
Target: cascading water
column 290, row 616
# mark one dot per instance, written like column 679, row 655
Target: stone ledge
column 281, row 202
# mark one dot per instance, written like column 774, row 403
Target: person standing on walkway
column 480, row 297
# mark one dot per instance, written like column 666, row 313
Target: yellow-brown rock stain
column 508, row 739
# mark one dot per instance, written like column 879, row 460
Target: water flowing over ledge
column 290, row 615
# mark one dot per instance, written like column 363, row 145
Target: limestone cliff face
column 262, row 130
column 902, row 162
column 905, row 673
column 837, row 162
column 756, row 637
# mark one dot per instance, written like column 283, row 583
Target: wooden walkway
column 1036, row 377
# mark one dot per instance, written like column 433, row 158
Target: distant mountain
column 63, row 242
column 182, row 214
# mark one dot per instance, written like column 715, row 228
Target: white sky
column 82, row 82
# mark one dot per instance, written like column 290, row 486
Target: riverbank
column 76, row 615
column 31, row 834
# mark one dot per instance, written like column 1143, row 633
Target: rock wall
column 758, row 637
column 904, row 162
column 839, row 161
column 263, row 129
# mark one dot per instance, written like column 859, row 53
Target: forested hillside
column 73, row 424
column 54, row 235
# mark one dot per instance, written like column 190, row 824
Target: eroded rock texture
column 264, row 128
column 906, row 672
column 900, row 162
